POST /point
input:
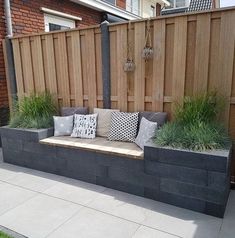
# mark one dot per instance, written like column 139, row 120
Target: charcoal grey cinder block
column 214, row 209
column 134, row 177
column 193, row 191
column 11, row 144
column 179, row 173
column 35, row 147
column 26, row 134
column 121, row 186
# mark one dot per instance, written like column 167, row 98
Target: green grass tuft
column 195, row 126
column 35, row 111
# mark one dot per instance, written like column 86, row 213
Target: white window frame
column 115, row 2
column 130, row 8
column 62, row 21
column 186, row 5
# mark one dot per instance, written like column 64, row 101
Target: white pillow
column 104, row 121
column 63, row 126
column 84, row 126
column 146, row 132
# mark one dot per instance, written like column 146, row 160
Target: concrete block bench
column 192, row 180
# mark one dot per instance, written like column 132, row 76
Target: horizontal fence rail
column 192, row 53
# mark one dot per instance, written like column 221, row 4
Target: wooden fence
column 192, row 53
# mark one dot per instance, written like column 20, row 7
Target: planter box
column 192, row 180
column 199, row 181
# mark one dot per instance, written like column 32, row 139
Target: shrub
column 35, row 111
column 195, row 126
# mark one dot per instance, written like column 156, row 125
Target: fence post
column 105, row 48
column 10, row 71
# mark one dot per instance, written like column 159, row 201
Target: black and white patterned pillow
column 123, row 126
column 84, row 126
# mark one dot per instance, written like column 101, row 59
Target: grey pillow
column 146, row 132
column 63, row 126
column 69, row 111
column 123, row 126
column 159, row 117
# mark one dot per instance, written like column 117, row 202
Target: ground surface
column 40, row 205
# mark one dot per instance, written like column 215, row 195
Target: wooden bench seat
column 99, row 144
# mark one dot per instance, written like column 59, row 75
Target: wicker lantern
column 129, row 65
column 147, row 52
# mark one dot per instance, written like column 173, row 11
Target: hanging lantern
column 129, row 65
column 147, row 52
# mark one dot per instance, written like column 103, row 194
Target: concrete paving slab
column 34, row 180
column 228, row 225
column 75, row 191
column 89, row 223
column 39, row 216
column 123, row 205
column 12, row 196
column 146, row 232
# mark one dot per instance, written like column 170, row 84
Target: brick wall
column 28, row 18
column 121, row 3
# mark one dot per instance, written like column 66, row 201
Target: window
column 54, row 23
column 133, row 6
column 113, row 2
column 178, row 3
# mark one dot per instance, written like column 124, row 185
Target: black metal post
column 105, row 45
column 11, row 69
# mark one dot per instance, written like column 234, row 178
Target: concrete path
column 40, row 205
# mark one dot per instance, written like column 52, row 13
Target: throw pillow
column 146, row 132
column 123, row 126
column 69, row 111
column 104, row 121
column 84, row 126
column 159, row 117
column 63, row 126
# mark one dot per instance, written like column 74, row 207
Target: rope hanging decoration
column 147, row 52
column 129, row 65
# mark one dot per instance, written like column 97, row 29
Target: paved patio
column 38, row 205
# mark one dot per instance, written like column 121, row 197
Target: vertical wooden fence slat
column 18, row 68
column 121, row 75
column 226, row 58
column 159, row 34
column 27, row 66
column 90, row 67
column 77, row 68
column 202, row 53
column 50, row 65
column 63, row 73
column 179, row 58
column 38, row 64
column 139, row 74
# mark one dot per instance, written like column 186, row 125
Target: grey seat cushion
column 69, row 111
column 159, row 117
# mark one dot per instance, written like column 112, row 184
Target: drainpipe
column 8, row 17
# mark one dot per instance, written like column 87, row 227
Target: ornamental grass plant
column 196, row 125
column 34, row 111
